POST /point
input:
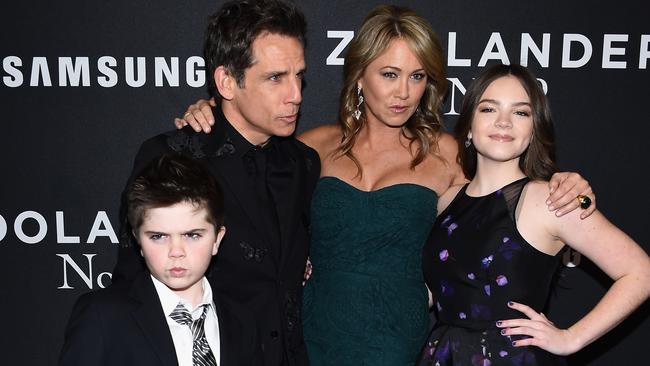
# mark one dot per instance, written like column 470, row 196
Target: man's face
column 177, row 243
column 268, row 103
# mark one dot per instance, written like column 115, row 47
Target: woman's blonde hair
column 384, row 24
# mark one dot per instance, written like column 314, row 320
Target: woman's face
column 502, row 126
column 393, row 85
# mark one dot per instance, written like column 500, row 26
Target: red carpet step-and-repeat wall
column 83, row 83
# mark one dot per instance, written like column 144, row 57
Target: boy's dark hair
column 233, row 28
column 172, row 179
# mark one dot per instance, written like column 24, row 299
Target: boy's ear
column 224, row 82
column 220, row 233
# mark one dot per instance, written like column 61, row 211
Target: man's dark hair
column 233, row 28
column 173, row 179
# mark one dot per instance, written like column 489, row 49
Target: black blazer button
column 274, row 334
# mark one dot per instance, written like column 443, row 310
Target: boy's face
column 177, row 243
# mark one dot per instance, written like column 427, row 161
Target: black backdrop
column 75, row 111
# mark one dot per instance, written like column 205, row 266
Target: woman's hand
column 542, row 332
column 564, row 190
column 199, row 116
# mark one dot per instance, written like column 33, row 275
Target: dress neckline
column 337, row 179
column 464, row 191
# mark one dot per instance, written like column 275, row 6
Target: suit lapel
column 149, row 316
column 226, row 339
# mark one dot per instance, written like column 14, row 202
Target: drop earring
column 357, row 112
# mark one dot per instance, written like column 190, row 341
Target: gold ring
column 186, row 114
column 585, row 201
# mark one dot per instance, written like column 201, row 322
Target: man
column 255, row 63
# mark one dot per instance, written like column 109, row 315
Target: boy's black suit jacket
column 124, row 324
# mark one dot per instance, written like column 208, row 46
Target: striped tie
column 201, row 352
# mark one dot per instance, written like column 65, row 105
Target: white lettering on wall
column 169, row 72
column 644, row 51
column 3, row 228
column 572, row 38
column 451, row 53
column 489, row 53
column 87, row 278
column 107, row 231
column 15, row 78
column 108, row 71
column 39, row 69
column 541, row 55
column 42, row 227
column 60, row 231
column 108, row 78
column 334, row 57
column 455, row 85
column 130, row 73
column 79, row 70
column 195, row 78
column 102, row 227
column 609, row 51
column 544, row 85
column 100, row 279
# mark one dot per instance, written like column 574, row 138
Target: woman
column 495, row 247
column 383, row 167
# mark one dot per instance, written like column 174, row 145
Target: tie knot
column 181, row 315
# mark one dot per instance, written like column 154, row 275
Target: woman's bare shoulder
column 446, row 197
column 447, row 146
column 323, row 138
column 537, row 191
column 533, row 201
column 448, row 154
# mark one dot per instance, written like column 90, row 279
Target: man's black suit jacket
column 124, row 324
column 249, row 271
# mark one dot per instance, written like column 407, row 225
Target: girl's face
column 502, row 126
column 393, row 85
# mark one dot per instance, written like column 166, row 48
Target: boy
column 167, row 315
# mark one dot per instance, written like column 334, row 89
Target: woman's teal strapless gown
column 366, row 302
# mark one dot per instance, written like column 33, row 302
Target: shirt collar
column 169, row 300
column 238, row 141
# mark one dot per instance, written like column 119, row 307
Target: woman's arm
column 614, row 252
